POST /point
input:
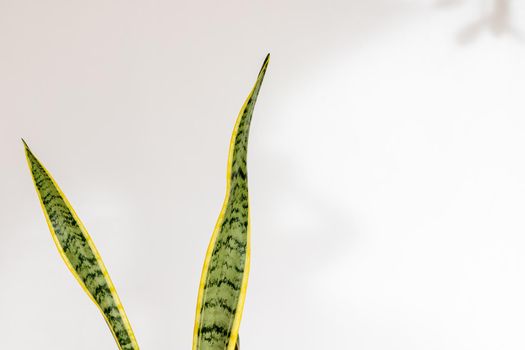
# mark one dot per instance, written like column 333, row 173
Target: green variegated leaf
column 79, row 253
column 224, row 278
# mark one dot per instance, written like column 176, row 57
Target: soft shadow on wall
column 494, row 17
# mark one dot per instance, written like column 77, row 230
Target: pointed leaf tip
column 26, row 147
column 262, row 71
column 266, row 61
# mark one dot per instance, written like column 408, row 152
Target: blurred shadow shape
column 497, row 21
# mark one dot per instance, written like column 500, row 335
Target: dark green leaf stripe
column 225, row 273
column 79, row 253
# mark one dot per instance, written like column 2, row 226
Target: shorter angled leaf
column 79, row 253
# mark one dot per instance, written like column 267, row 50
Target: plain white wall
column 386, row 164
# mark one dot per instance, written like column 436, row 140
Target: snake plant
column 222, row 288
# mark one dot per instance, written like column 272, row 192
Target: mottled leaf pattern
column 79, row 253
column 225, row 273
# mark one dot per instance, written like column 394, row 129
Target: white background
column 386, row 162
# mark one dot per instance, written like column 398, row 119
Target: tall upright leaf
column 224, row 277
column 79, row 253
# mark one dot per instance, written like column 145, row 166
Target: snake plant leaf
column 224, row 279
column 79, row 253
